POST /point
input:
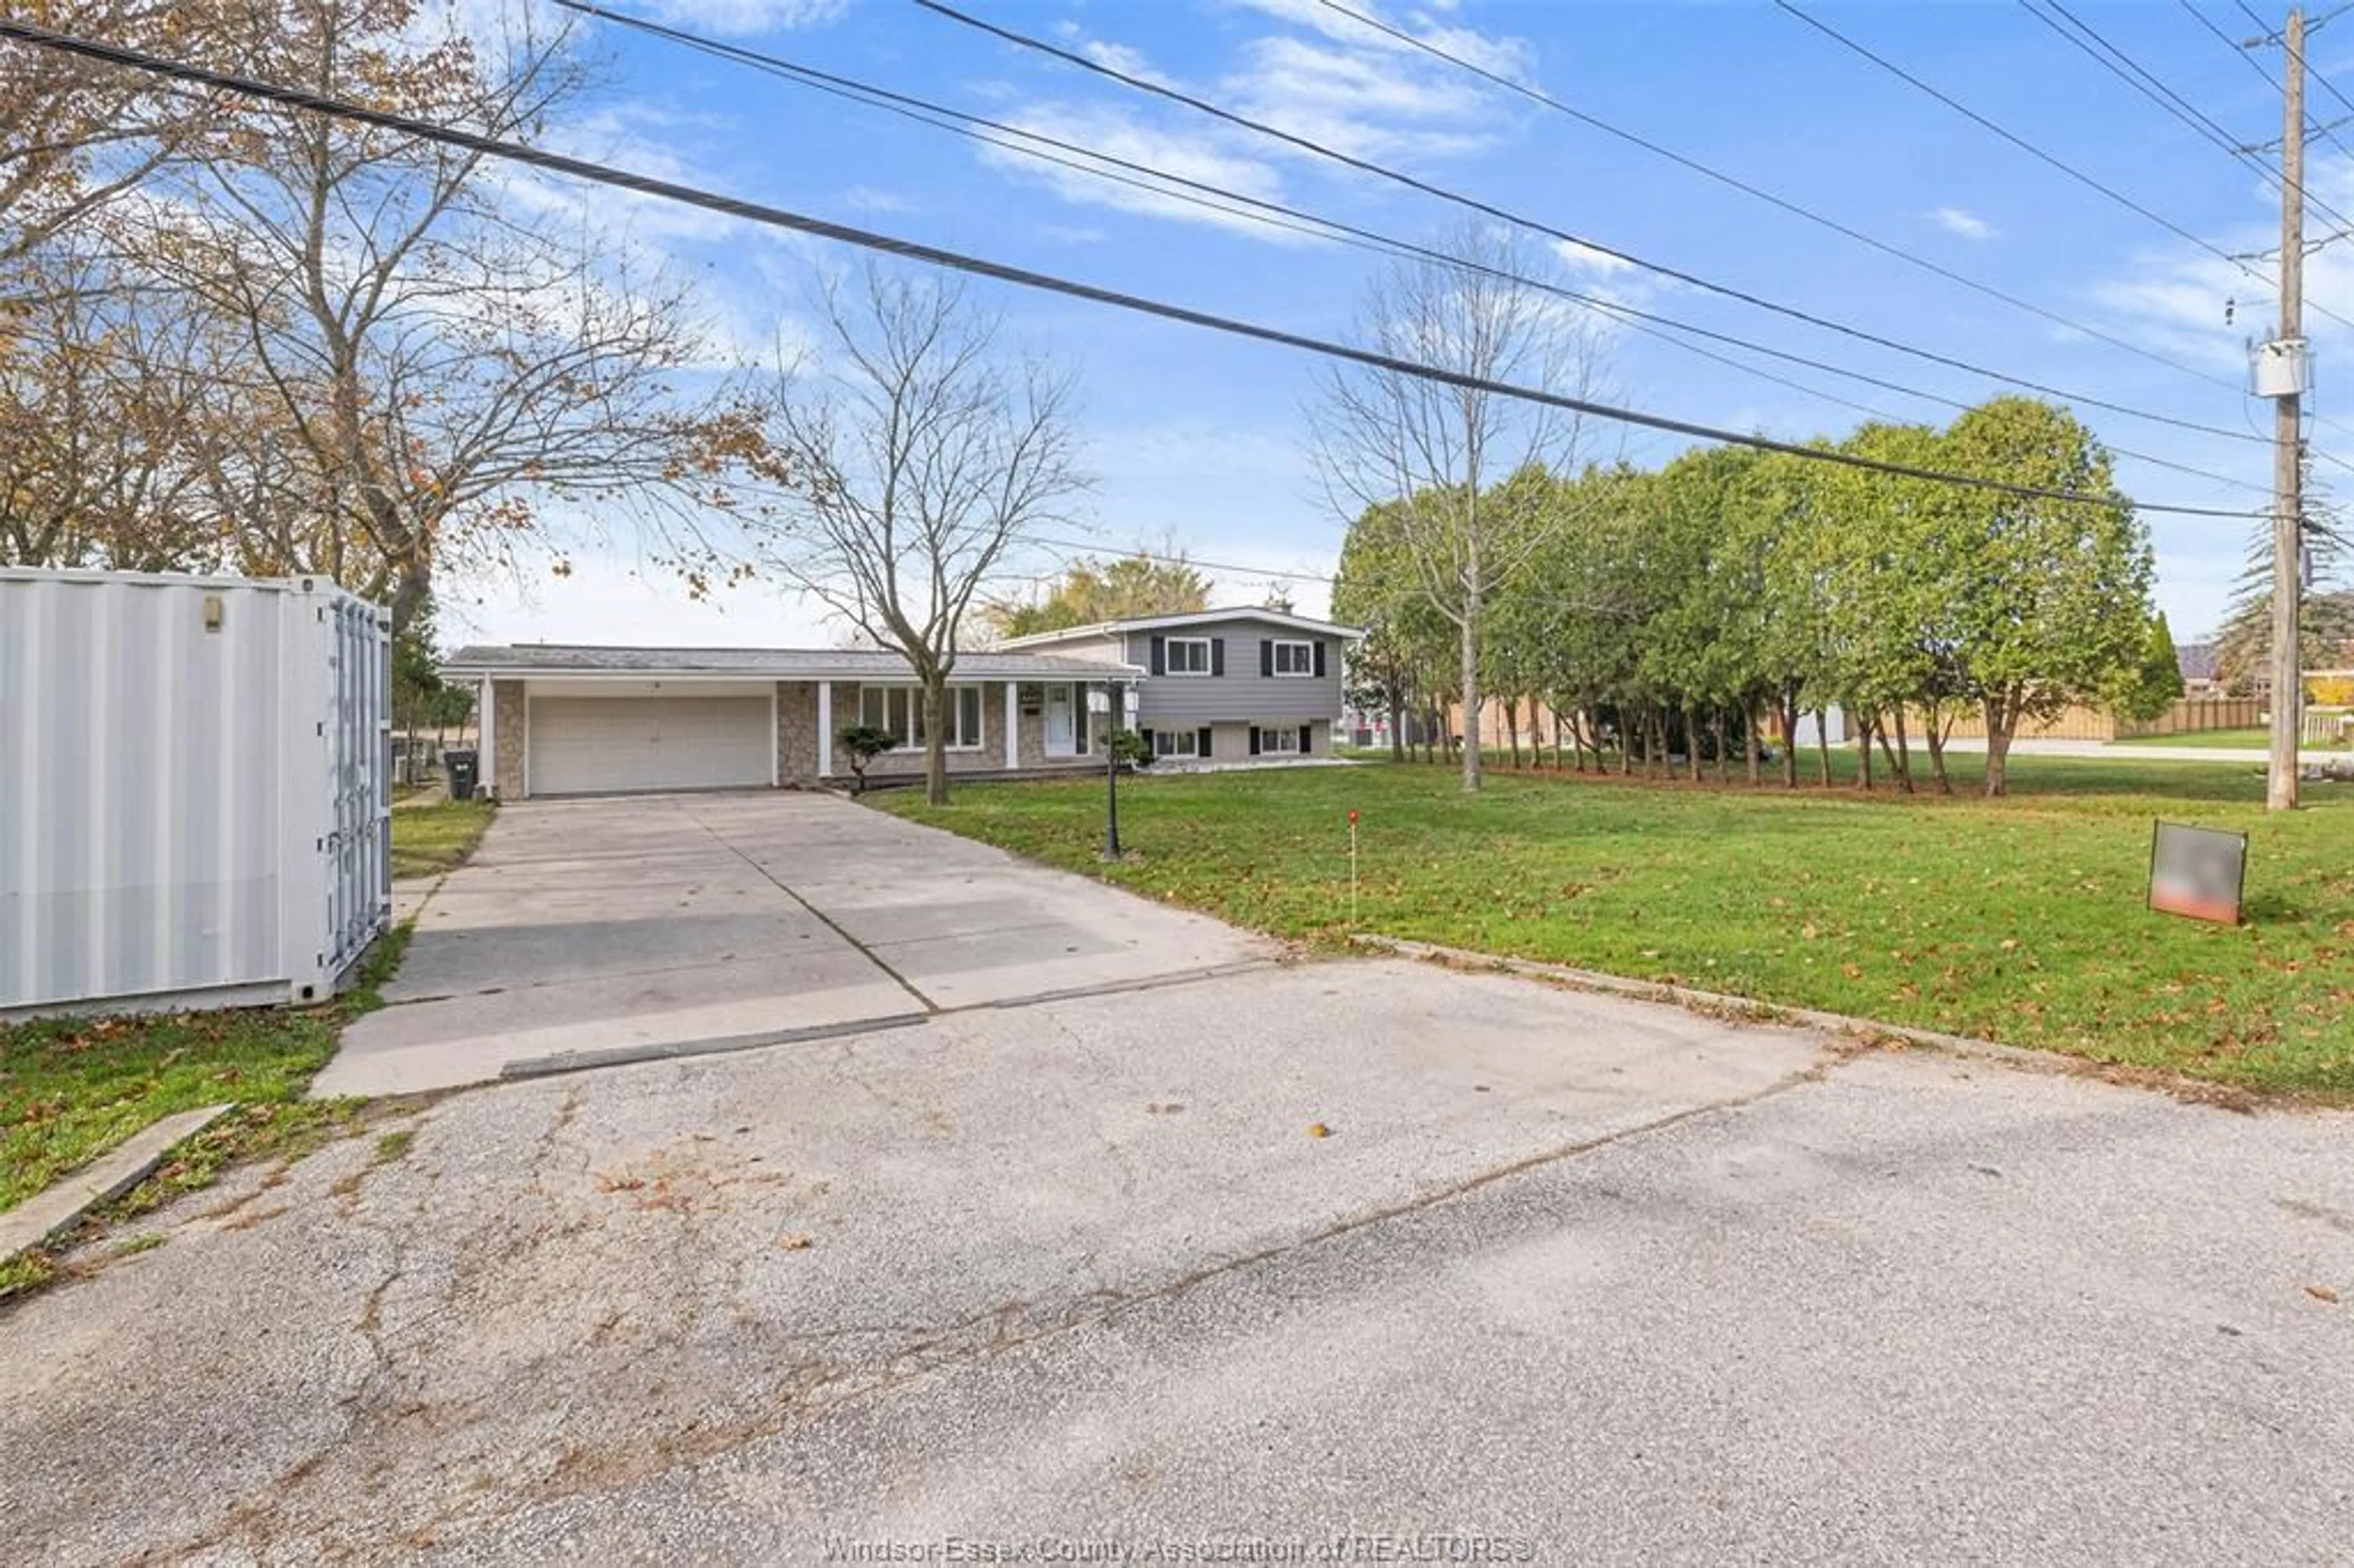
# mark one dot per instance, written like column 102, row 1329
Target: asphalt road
column 1568, row 1279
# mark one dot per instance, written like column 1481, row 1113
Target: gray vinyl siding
column 1103, row 649
column 1242, row 696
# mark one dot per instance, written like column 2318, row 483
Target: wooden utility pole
column 2288, row 455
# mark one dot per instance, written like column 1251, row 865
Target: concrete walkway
column 609, row 925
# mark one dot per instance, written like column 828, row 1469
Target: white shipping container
column 194, row 806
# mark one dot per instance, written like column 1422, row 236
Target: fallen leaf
column 794, row 1243
column 2321, row 1293
column 1318, row 1129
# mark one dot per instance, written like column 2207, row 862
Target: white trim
column 1275, row 659
column 1209, row 658
column 776, row 777
column 915, row 696
column 971, row 667
column 825, row 729
column 486, row 727
column 1012, row 725
column 1191, row 617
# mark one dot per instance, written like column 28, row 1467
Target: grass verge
column 2020, row 920
column 72, row 1088
column 2219, row 740
column 430, row 840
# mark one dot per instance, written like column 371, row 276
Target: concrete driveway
column 590, row 930
column 1582, row 1279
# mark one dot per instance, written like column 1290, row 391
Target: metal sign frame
column 2184, row 891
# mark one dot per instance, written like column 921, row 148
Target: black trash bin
column 464, row 773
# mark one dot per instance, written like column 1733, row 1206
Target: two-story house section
column 1221, row 685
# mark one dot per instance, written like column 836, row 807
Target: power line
column 1519, row 220
column 1782, row 203
column 2097, row 48
column 959, row 122
column 2328, row 86
column 2022, row 142
column 973, row 266
column 2039, row 153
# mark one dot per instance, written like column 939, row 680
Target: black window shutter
column 1217, row 655
column 1307, row 738
column 1201, row 746
column 1266, row 657
column 1146, row 736
column 1319, row 660
column 1254, row 740
column 1161, row 655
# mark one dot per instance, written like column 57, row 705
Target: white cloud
column 1587, row 259
column 1967, row 225
column 613, row 597
column 1123, row 59
column 742, row 19
column 1324, row 78
column 1122, row 133
column 867, row 198
column 1366, row 103
column 1506, row 57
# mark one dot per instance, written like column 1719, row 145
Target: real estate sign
column 2197, row 871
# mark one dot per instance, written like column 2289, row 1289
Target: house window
column 1188, row 656
column 899, row 711
column 1295, row 658
column 1176, row 742
column 1280, row 742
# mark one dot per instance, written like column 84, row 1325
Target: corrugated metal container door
column 360, row 846
column 162, row 815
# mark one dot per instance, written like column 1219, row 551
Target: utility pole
column 2287, row 352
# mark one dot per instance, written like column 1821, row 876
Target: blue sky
column 1202, row 441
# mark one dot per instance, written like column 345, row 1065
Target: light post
column 1099, row 707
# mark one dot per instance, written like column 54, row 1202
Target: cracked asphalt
column 1571, row 1277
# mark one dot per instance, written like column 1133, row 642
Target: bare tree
column 435, row 352
column 76, row 135
column 1384, row 437
column 100, row 405
column 918, row 456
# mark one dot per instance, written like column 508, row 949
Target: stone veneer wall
column 797, row 734
column 507, row 720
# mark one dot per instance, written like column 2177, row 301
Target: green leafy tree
column 865, row 743
column 2158, row 683
column 1092, row 591
column 1406, row 639
column 2053, row 604
column 1130, row 749
column 2244, row 644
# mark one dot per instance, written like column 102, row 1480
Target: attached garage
column 567, row 719
column 625, row 744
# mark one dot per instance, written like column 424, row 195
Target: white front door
column 1061, row 731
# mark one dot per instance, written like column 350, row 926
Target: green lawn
column 2213, row 741
column 71, row 1088
column 2206, row 740
column 431, row 839
column 2020, row 920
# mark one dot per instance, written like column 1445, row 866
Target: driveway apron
column 584, row 930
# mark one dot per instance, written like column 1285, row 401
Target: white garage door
column 605, row 746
